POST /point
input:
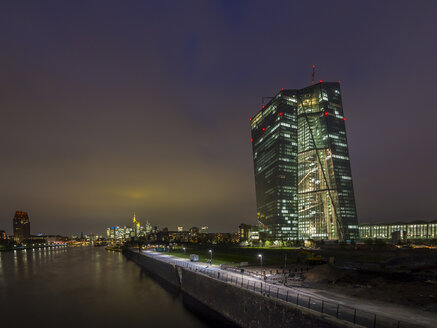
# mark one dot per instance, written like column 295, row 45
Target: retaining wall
column 161, row 270
column 241, row 307
column 249, row 309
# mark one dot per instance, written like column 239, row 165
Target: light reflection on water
column 85, row 287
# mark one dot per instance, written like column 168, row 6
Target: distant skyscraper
column 303, row 178
column 21, row 226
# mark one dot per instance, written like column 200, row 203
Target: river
column 85, row 287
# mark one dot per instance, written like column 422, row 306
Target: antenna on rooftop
column 314, row 69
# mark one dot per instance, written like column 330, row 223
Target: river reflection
column 84, row 287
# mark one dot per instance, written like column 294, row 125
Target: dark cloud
column 109, row 108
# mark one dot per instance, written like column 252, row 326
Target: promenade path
column 372, row 314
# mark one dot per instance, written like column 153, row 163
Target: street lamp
column 210, row 251
column 261, row 259
column 184, row 249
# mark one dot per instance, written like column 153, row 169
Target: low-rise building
column 248, row 233
column 399, row 231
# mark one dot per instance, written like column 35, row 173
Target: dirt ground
column 397, row 285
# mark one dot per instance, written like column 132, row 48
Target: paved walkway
column 359, row 311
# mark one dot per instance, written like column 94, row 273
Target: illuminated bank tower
column 303, row 178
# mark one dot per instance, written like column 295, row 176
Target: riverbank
column 304, row 306
column 23, row 248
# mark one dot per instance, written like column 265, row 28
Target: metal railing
column 299, row 298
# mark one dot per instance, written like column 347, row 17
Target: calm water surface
column 84, row 287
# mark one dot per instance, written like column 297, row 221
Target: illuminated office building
column 303, row 178
column 274, row 143
column 21, row 226
column 408, row 230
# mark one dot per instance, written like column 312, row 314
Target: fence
column 336, row 310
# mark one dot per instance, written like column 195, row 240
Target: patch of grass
column 235, row 255
column 232, row 255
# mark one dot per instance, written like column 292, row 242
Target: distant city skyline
column 144, row 107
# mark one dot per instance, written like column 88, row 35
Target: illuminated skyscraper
column 21, row 226
column 274, row 143
column 302, row 172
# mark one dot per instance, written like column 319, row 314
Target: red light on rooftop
column 314, row 66
column 282, row 89
column 250, row 119
column 344, row 118
column 325, row 113
column 280, row 114
column 264, row 129
column 263, row 107
column 251, row 140
column 320, row 81
column 339, row 81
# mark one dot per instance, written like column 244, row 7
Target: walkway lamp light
column 210, row 251
column 261, row 259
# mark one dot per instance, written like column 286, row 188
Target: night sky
column 114, row 107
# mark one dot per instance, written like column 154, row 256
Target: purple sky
column 111, row 107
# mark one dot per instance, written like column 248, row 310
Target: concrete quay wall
column 242, row 307
column 249, row 309
column 159, row 269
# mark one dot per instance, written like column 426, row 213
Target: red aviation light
column 325, row 113
column 264, row 129
column 251, row 140
column 250, row 119
column 282, row 89
column 280, row 114
column 314, row 66
column 320, row 81
column 263, row 107
column 344, row 118
column 339, row 81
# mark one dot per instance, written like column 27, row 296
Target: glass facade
column 413, row 230
column 302, row 172
column 274, row 144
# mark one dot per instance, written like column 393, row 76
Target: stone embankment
column 241, row 306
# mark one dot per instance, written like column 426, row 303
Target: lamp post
column 184, row 249
column 261, row 259
column 210, row 251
